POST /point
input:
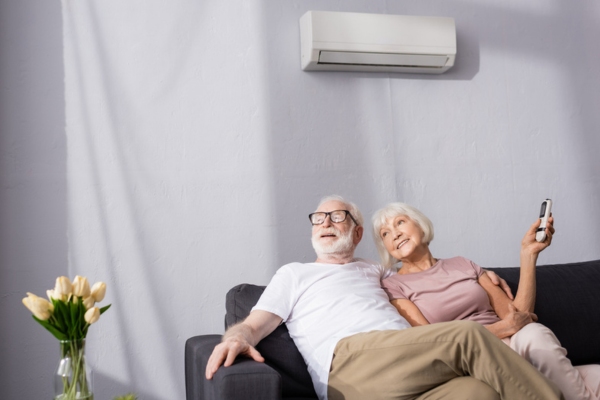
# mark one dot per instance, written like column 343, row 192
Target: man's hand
column 496, row 280
column 240, row 339
column 226, row 352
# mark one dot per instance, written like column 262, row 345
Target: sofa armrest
column 245, row 379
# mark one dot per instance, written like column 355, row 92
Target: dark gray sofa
column 568, row 302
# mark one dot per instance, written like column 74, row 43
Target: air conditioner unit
column 341, row 41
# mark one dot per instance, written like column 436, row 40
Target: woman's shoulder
column 456, row 260
column 461, row 263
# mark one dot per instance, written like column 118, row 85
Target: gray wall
column 196, row 147
column 33, row 221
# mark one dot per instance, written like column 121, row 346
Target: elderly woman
column 427, row 290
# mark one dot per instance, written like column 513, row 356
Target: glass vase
column 73, row 379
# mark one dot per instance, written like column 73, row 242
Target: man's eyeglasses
column 337, row 216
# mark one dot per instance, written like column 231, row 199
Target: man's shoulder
column 296, row 264
column 295, row 268
column 361, row 262
column 365, row 261
column 300, row 266
column 383, row 271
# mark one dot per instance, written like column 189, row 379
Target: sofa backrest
column 567, row 302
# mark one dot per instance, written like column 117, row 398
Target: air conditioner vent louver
column 382, row 59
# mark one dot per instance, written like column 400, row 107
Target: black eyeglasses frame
column 328, row 214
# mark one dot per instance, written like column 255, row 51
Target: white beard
column 342, row 245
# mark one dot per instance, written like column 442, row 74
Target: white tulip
column 51, row 295
column 63, row 288
column 98, row 291
column 92, row 315
column 41, row 308
column 81, row 286
column 89, row 302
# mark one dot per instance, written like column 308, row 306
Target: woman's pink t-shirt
column 447, row 291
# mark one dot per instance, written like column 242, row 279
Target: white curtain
column 167, row 171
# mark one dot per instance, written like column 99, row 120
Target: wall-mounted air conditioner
column 340, row 41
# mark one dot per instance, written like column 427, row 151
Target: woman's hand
column 532, row 247
column 511, row 323
column 515, row 319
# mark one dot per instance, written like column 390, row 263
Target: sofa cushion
column 278, row 348
column 568, row 303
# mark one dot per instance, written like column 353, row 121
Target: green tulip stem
column 74, row 350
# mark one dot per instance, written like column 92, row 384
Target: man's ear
column 358, row 232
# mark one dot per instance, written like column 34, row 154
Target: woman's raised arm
column 530, row 250
column 511, row 319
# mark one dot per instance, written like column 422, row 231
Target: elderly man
column 355, row 343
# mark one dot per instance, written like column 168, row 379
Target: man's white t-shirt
column 323, row 303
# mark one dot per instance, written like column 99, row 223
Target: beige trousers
column 424, row 362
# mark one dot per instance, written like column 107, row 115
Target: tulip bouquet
column 67, row 314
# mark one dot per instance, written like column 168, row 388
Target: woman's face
column 401, row 236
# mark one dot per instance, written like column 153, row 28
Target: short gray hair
column 351, row 207
column 391, row 211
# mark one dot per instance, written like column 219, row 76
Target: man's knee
column 473, row 389
column 469, row 327
column 464, row 387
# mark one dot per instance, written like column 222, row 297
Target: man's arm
column 241, row 339
column 496, row 280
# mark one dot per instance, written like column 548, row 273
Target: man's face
column 335, row 238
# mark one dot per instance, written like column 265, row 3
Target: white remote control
column 540, row 234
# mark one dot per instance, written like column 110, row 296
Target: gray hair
column 391, row 211
column 351, row 207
